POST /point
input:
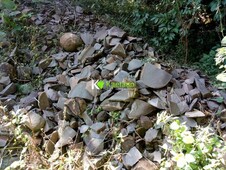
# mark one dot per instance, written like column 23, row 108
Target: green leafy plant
column 115, row 116
column 11, row 17
column 132, row 16
column 191, row 150
column 206, row 63
column 221, row 61
column 183, row 30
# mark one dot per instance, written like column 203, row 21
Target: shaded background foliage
column 183, row 30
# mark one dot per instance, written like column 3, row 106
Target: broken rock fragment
column 145, row 164
column 111, row 105
column 119, row 50
column 10, row 89
column 150, row 135
column 50, row 145
column 3, row 141
column 128, row 143
column 86, row 52
column 43, row 101
column 24, row 72
column 44, row 63
column 124, row 95
column 5, row 80
column 66, row 136
column 177, row 108
column 195, row 114
column 76, row 106
column 29, row 100
column 202, row 88
column 154, row 77
column 34, row 121
column 134, row 64
column 156, row 102
column 120, row 76
column 87, row 38
column 140, row 108
column 110, row 66
column 79, row 90
column 94, row 142
column 116, row 32
column 132, row 157
column 145, row 122
column 98, row 127
column 194, row 93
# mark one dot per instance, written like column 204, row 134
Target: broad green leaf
column 218, row 99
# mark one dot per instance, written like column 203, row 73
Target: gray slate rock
column 116, row 32
column 43, row 101
column 154, row 77
column 140, row 108
column 66, row 137
column 119, row 50
column 111, row 105
column 94, row 142
column 195, row 114
column 132, row 157
column 10, row 89
column 34, row 121
column 79, row 90
column 5, row 80
column 145, row 164
column 150, row 135
column 134, row 64
column 123, row 95
column 121, row 76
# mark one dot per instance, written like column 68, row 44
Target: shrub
column 187, row 149
column 132, row 15
column 221, row 61
column 206, row 63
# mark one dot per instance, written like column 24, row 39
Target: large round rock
column 70, row 42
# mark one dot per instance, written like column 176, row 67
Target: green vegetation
column 115, row 116
column 182, row 31
column 221, row 61
column 206, row 62
column 190, row 149
column 185, row 31
column 14, row 21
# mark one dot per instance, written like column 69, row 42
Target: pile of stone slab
column 72, row 109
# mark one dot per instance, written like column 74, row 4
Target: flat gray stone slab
column 154, row 77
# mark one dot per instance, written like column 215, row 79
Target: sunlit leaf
column 189, row 158
column 221, row 77
column 223, row 42
column 174, row 126
column 188, row 139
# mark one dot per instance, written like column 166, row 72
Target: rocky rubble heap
column 70, row 111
